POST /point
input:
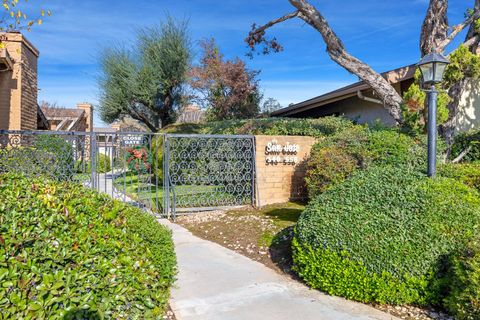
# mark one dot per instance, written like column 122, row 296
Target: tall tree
column 147, row 81
column 226, row 88
column 435, row 36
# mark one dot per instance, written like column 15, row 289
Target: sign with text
column 277, row 153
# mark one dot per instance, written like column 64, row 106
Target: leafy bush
column 335, row 158
column 383, row 235
column 139, row 159
column 465, row 140
column 67, row 253
column 267, row 126
column 467, row 173
column 103, row 164
column 43, row 155
column 157, row 156
column 463, row 300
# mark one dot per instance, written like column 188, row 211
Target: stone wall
column 18, row 87
column 280, row 165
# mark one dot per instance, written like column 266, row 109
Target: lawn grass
column 145, row 189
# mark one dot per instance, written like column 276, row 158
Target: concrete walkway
column 217, row 283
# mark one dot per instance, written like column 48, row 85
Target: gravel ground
column 259, row 236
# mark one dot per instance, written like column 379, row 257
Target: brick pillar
column 281, row 168
column 18, row 87
column 88, row 108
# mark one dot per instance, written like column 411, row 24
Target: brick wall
column 281, row 173
column 18, row 88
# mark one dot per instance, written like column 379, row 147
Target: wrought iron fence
column 164, row 173
column 209, row 171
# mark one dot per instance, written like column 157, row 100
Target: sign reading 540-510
column 278, row 153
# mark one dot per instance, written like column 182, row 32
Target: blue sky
column 383, row 33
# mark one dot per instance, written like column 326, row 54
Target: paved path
column 217, row 283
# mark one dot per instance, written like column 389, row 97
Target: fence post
column 93, row 160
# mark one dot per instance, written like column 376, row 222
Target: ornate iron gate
column 204, row 172
column 164, row 173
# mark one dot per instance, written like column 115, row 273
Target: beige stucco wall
column 281, row 181
column 18, row 87
column 469, row 109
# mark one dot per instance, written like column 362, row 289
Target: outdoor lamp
column 432, row 67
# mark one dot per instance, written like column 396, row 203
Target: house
column 359, row 103
column 63, row 119
column 18, row 84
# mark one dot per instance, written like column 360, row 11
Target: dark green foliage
column 335, row 158
column 147, row 81
column 267, row 126
column 103, row 164
column 138, row 159
column 46, row 155
column 467, row 173
column 383, row 235
column 463, row 301
column 68, row 252
column 464, row 141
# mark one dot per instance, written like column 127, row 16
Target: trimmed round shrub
column 67, row 252
column 384, row 235
column 467, row 173
column 333, row 159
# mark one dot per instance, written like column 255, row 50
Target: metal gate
column 164, row 173
column 205, row 172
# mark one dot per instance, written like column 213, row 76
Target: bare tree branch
column 434, row 27
column 462, row 155
column 457, row 29
column 472, row 40
column 337, row 52
column 260, row 31
column 472, row 43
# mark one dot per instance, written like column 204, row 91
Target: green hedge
column 384, row 235
column 467, row 173
column 463, row 141
column 69, row 253
column 335, row 158
column 267, row 126
column 463, row 300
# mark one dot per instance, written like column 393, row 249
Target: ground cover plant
column 68, row 253
column 387, row 235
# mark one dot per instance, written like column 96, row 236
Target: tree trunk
column 473, row 33
column 457, row 89
column 435, row 26
column 448, row 128
column 337, row 52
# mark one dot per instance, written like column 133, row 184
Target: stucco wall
column 469, row 111
column 281, row 181
column 353, row 108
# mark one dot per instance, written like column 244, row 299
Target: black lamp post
column 432, row 67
